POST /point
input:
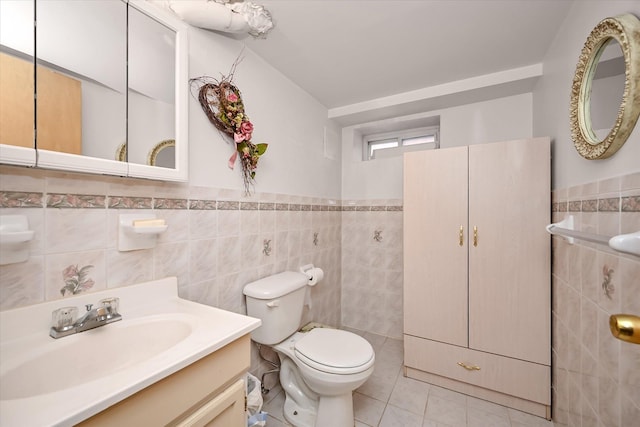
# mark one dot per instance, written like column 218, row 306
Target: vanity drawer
column 177, row 396
column 526, row 380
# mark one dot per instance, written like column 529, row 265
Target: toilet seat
column 334, row 351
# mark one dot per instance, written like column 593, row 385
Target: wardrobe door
column 435, row 245
column 509, row 266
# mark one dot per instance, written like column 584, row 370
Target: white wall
column 551, row 99
column 284, row 116
column 490, row 121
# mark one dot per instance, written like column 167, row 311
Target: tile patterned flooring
column 388, row 399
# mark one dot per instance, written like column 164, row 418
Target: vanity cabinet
column 209, row 392
column 477, row 298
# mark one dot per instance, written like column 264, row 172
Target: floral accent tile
column 75, row 201
column 609, row 205
column 205, row 205
column 631, row 204
column 575, row 206
column 76, row 280
column 12, row 199
column 589, row 206
column 170, row 203
column 227, row 205
column 118, row 202
column 249, row 206
column 562, row 206
column 607, row 286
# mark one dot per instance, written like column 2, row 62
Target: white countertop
column 24, row 337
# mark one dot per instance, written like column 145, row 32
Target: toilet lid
column 334, row 351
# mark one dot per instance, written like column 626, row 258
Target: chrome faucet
column 65, row 323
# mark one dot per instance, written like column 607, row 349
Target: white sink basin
column 76, row 359
column 61, row 382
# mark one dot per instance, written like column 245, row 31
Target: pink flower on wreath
column 245, row 131
column 239, row 137
column 246, row 128
column 232, row 97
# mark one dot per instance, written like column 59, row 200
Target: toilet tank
column 278, row 301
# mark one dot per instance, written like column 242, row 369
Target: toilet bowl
column 320, row 368
column 331, row 363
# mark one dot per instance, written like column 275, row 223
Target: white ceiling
column 346, row 52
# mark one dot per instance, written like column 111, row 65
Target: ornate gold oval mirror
column 623, row 30
column 163, row 154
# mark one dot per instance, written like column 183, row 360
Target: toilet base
column 297, row 415
column 334, row 411
column 304, row 408
column 300, row 403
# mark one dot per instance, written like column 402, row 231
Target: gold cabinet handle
column 469, row 367
column 625, row 327
column 461, row 236
column 475, row 236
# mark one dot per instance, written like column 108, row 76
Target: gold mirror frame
column 625, row 29
column 153, row 154
column 121, row 152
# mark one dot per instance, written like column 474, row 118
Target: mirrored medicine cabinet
column 93, row 87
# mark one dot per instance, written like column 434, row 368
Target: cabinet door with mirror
column 110, row 84
column 17, row 72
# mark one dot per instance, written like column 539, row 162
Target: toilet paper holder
column 314, row 274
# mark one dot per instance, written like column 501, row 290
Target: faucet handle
column 111, row 304
column 64, row 318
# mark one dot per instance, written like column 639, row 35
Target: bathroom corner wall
column 217, row 240
column 372, row 271
column 596, row 378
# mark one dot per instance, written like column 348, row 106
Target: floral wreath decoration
column 222, row 104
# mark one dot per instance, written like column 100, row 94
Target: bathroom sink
column 61, row 382
column 100, row 352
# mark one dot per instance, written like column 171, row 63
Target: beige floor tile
column 479, row 418
column 487, row 406
column 447, row 412
column 397, row 417
column 410, row 395
column 367, row 409
column 448, row 394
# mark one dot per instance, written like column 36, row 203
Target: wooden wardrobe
column 477, row 281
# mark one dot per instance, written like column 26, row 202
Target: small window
column 427, row 139
column 381, row 145
column 395, row 143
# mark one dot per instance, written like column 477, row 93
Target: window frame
column 399, row 136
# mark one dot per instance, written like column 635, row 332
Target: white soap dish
column 139, row 231
column 14, row 238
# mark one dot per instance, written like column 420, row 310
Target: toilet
column 319, row 369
